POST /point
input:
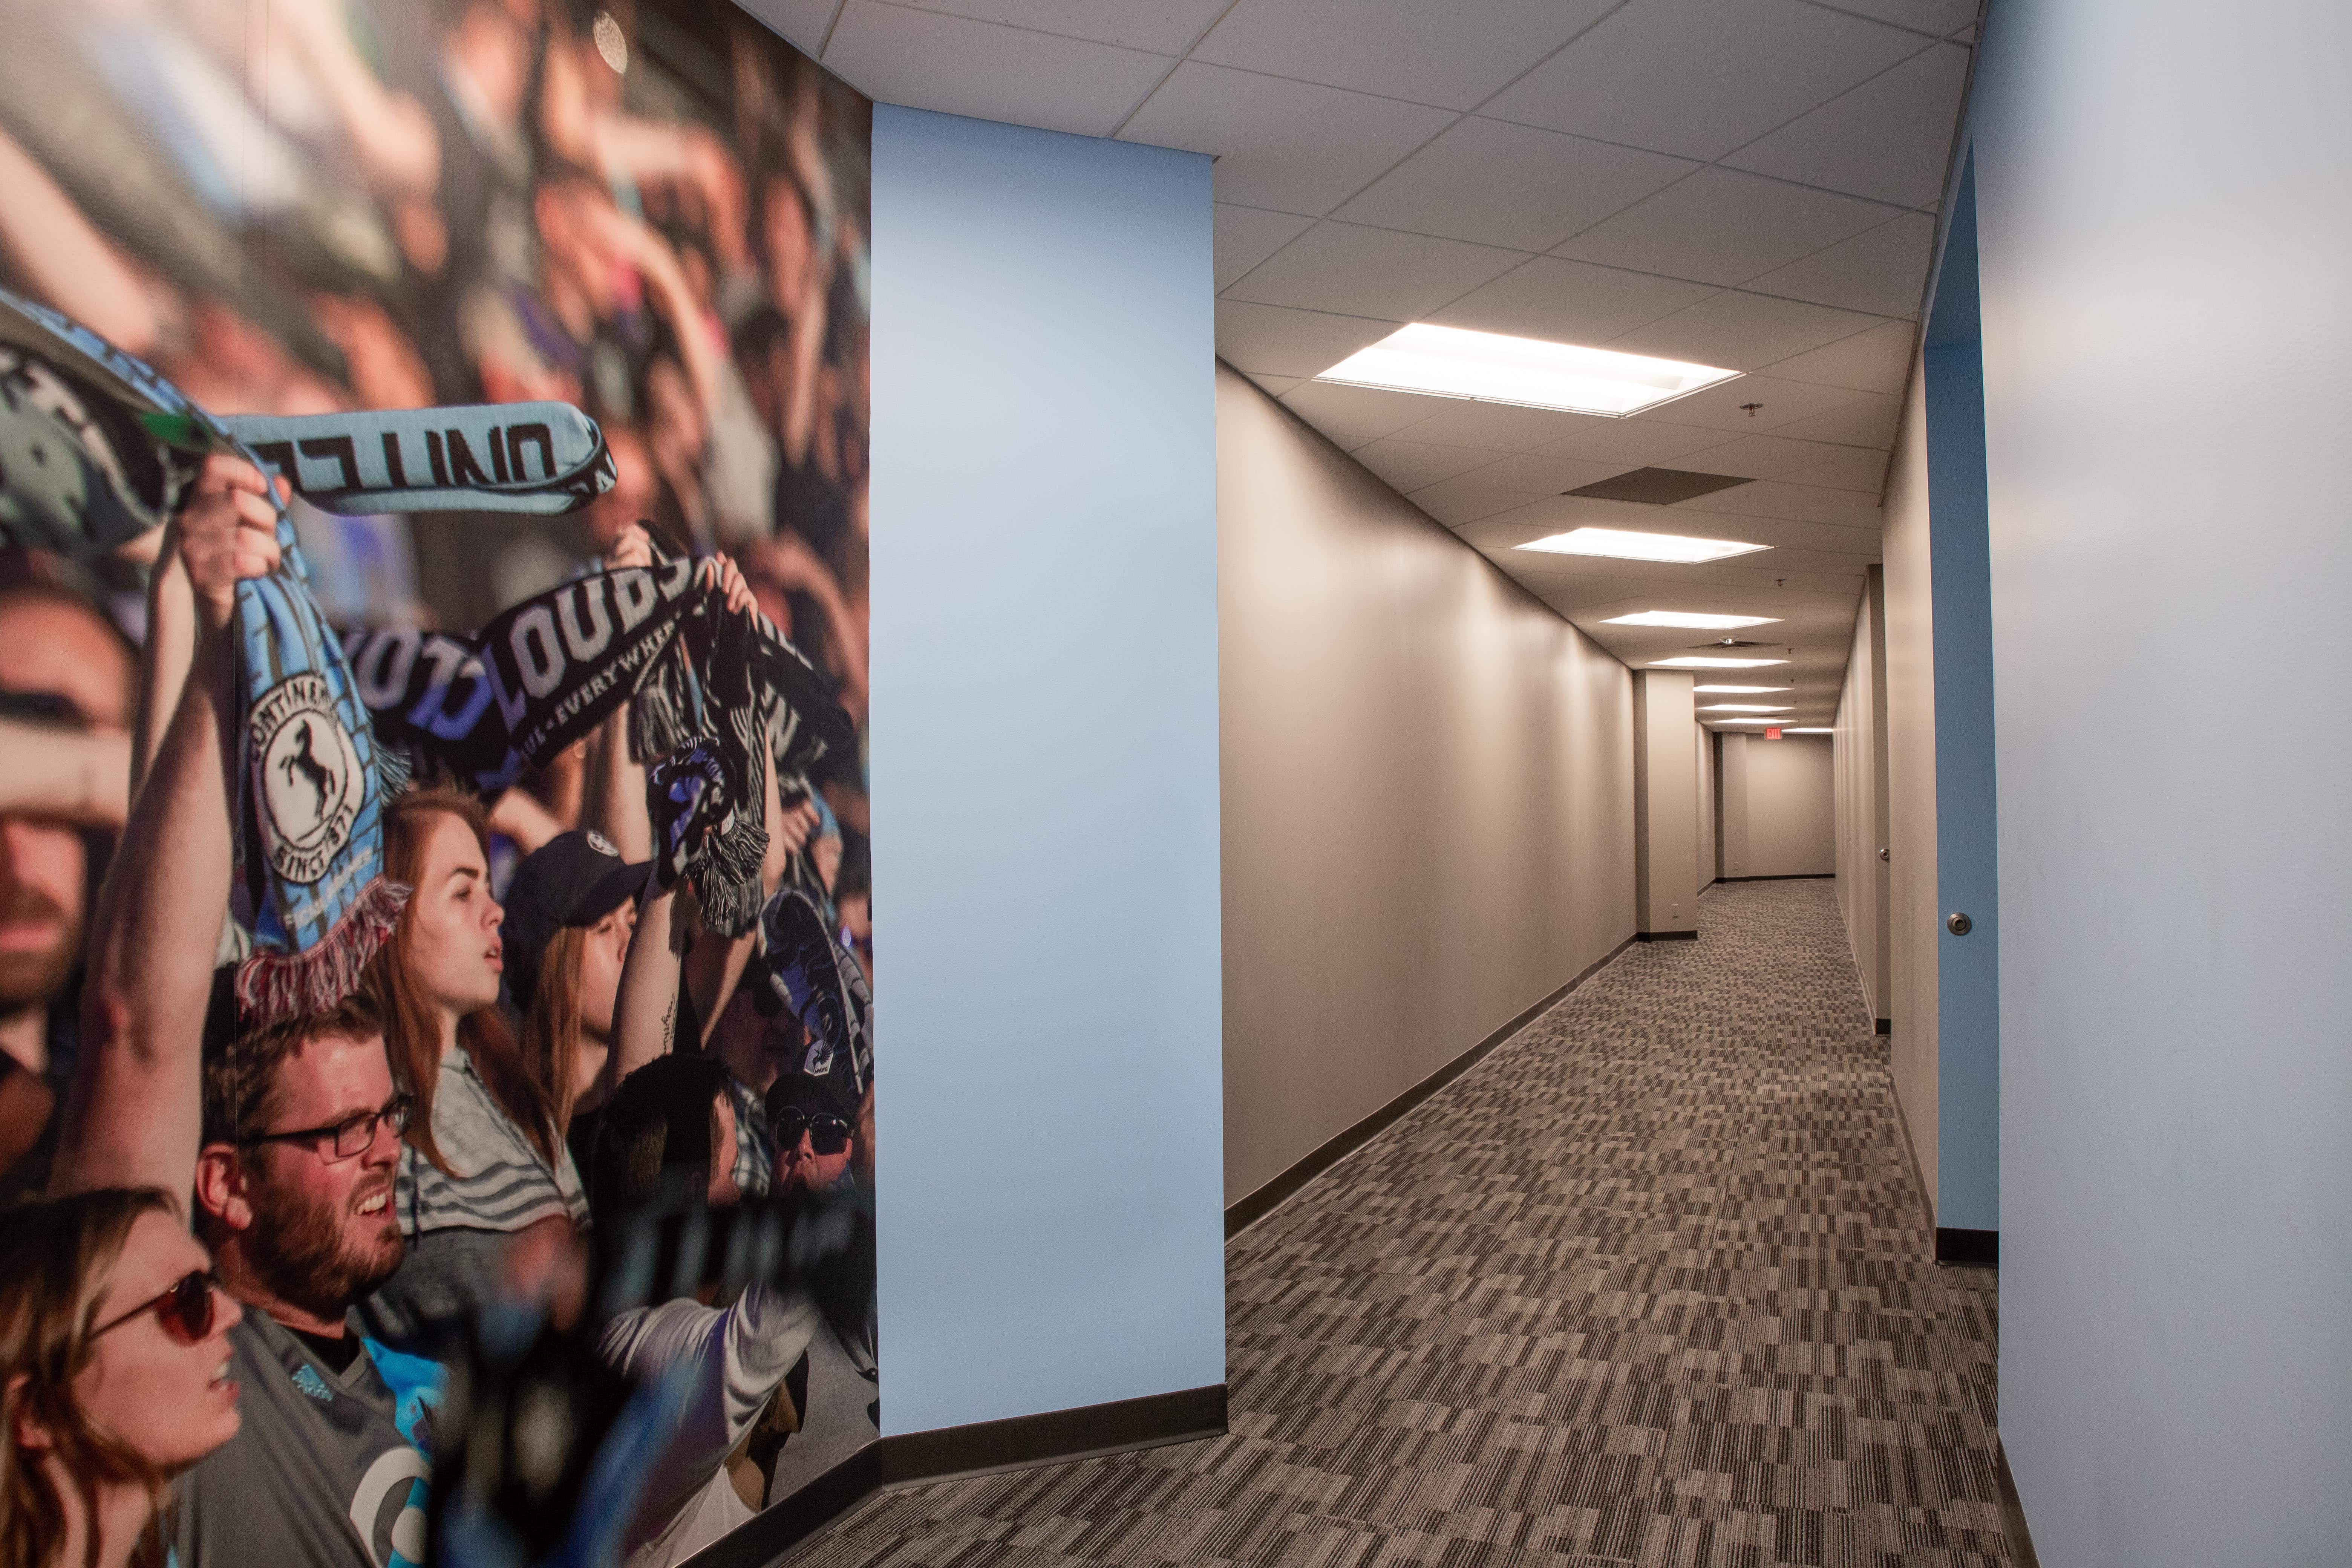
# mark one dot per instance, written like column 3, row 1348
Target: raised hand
column 228, row 533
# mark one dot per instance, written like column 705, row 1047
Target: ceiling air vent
column 1729, row 642
column 1659, row 487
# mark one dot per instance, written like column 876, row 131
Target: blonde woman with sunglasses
column 114, row 1376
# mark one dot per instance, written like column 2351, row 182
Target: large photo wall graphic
column 436, row 1069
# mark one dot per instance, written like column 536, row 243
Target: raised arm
column 645, row 1013
column 132, row 1114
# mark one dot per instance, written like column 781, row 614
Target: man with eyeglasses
column 287, row 1137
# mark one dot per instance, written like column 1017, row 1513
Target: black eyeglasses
column 185, row 1310
column 827, row 1133
column 353, row 1136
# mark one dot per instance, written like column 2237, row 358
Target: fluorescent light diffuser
column 1734, row 690
column 1747, row 707
column 1488, row 367
column 1624, row 544
column 1693, row 661
column 1691, row 620
column 1807, row 729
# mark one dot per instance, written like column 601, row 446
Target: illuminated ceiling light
column 1747, row 707
column 1734, row 690
column 1624, row 544
column 1694, row 661
column 1488, row 367
column 1809, row 729
column 1691, row 620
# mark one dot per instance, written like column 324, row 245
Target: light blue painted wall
column 1044, row 771
column 2163, row 229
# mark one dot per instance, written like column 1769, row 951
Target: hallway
column 1649, row 1286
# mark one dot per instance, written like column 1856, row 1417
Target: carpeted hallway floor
column 1649, row 1286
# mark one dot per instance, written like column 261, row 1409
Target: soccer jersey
column 328, row 1468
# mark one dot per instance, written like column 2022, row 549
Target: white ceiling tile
column 1541, row 515
column 1867, row 421
column 1774, row 499
column 1288, row 146
column 1725, row 407
column 1495, row 426
column 1723, row 226
column 1354, row 415
column 1275, row 385
column 1763, row 457
column 1551, row 476
column 1940, row 18
column 1511, row 184
column 1247, row 236
column 1700, row 77
column 1637, row 444
column 1850, row 470
column 1163, row 26
column 1889, row 138
column 962, row 66
column 1883, row 270
column 1877, row 360
column 1741, row 332
column 1455, row 54
column 802, row 22
column 1269, row 339
column 1570, row 301
column 1456, row 501
column 1363, row 272
column 1411, row 465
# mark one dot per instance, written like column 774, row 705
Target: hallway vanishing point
column 1650, row 1285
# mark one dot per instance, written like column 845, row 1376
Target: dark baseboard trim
column 1665, row 936
column 1886, row 1025
column 1911, row 1154
column 1792, row 876
column 1247, row 1211
column 2021, row 1539
column 909, row 1458
column 1974, row 1248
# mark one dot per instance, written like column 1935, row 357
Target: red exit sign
column 1772, row 731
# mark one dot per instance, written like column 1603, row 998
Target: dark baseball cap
column 575, row 879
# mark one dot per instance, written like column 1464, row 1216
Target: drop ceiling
column 1747, row 183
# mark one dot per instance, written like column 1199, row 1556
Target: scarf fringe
column 730, row 908
column 273, row 987
column 393, row 769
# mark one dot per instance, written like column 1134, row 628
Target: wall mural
column 436, row 1078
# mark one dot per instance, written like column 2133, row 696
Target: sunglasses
column 827, row 1133
column 352, row 1137
column 185, row 1310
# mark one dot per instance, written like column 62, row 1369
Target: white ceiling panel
column 1276, row 342
column 1876, row 360
column 1775, row 498
column 1699, row 78
column 1638, row 443
column 1456, row 501
column 1551, row 476
column 803, row 22
column 1852, row 471
column 1496, row 426
column 1558, row 513
column 1363, row 272
column 1363, row 413
column 1163, row 26
column 1288, row 146
column 1889, row 138
column 1498, row 184
column 1454, row 54
column 1571, row 301
column 1742, row 332
column 1867, row 421
column 1723, row 407
column 1941, row 18
column 1883, row 270
column 1247, row 236
column 1275, row 385
column 1411, row 465
column 1723, row 226
column 1763, row 457
column 962, row 66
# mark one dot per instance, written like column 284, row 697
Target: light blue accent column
column 1048, row 1009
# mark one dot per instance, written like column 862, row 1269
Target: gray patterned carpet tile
column 1651, row 1286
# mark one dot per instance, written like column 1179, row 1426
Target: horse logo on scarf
column 307, row 775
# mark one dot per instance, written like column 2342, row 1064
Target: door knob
column 1959, row 924
column 1882, row 855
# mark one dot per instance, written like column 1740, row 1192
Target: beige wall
column 1427, row 790
column 1911, row 923
column 1703, row 741
column 1665, row 803
column 1789, row 821
column 1858, row 750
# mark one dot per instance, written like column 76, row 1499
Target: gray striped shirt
column 496, row 1180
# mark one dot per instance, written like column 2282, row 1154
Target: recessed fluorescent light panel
column 1691, row 661
column 1690, row 619
column 1809, row 730
column 1745, row 708
column 1488, row 367
column 1734, row 690
column 1623, row 544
